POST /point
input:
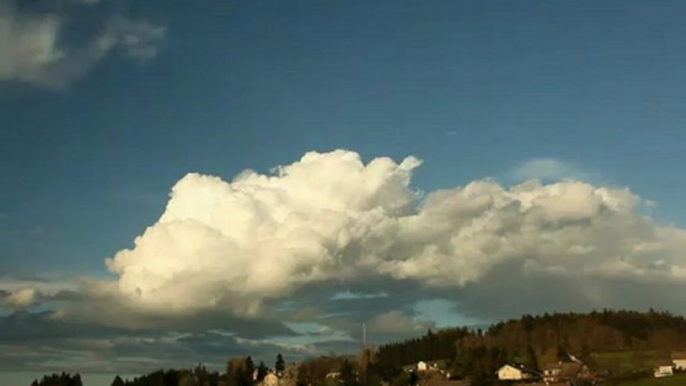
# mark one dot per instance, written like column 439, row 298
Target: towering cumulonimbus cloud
column 329, row 216
column 261, row 236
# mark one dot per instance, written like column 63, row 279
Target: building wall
column 509, row 373
column 663, row 371
column 551, row 375
column 679, row 364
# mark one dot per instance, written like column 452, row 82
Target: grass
column 676, row 380
column 630, row 361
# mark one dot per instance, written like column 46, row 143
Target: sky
column 188, row 181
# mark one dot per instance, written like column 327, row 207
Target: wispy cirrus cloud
column 348, row 295
column 35, row 48
column 550, row 170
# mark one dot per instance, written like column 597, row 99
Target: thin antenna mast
column 364, row 335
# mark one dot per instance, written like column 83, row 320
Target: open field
column 629, row 361
column 676, row 380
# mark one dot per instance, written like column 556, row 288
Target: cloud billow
column 330, row 217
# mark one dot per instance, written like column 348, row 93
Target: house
column 513, row 372
column 419, row 366
column 679, row 360
column 424, row 366
column 333, row 375
column 566, row 371
column 431, row 366
column 663, row 369
column 551, row 373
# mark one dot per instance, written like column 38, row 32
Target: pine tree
column 531, row 359
column 117, row 381
column 348, row 376
column 249, row 365
column 372, row 375
column 239, row 372
column 200, row 374
column 280, row 364
column 261, row 371
column 413, row 379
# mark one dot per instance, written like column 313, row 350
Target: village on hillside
column 624, row 348
column 573, row 372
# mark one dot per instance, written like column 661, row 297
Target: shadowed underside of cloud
column 295, row 261
column 36, row 46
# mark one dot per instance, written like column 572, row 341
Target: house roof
column 566, row 369
column 518, row 366
column 663, row 362
column 679, row 355
column 440, row 364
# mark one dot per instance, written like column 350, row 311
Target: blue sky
column 146, row 91
column 472, row 88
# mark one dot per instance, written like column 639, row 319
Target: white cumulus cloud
column 262, row 236
column 330, row 216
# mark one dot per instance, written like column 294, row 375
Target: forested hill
column 549, row 334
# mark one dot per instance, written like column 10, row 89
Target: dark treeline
column 430, row 347
column 608, row 330
column 240, row 371
column 63, row 379
column 313, row 371
column 196, row 377
column 576, row 333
